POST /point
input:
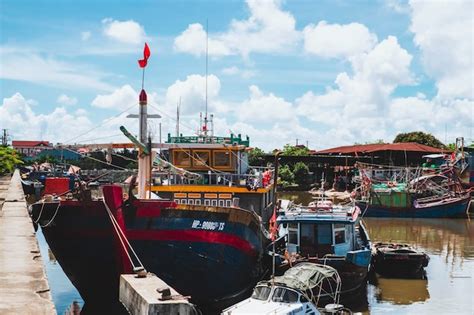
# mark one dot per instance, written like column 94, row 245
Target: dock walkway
column 24, row 287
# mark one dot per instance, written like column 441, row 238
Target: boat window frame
column 196, row 161
column 227, row 152
column 182, row 151
column 278, row 288
column 339, row 229
column 294, row 229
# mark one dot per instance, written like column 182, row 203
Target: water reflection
column 449, row 288
column 401, row 291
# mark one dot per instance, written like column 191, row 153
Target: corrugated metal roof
column 369, row 148
column 29, row 143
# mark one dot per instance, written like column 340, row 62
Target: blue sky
column 327, row 72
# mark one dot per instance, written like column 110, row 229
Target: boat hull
column 453, row 209
column 81, row 240
column 215, row 256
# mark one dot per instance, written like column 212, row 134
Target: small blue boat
column 333, row 236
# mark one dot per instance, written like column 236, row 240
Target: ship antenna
column 177, row 117
column 207, row 65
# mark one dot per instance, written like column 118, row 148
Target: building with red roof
column 31, row 148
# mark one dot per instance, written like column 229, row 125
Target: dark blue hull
column 455, row 209
column 217, row 265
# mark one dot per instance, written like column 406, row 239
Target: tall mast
column 207, row 57
column 177, row 117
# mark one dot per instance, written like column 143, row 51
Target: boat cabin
column 212, row 171
column 274, row 299
column 319, row 233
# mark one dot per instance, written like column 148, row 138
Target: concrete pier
column 147, row 296
column 24, row 287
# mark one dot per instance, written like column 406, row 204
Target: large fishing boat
column 429, row 192
column 194, row 222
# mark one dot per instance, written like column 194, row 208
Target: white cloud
column 269, row 29
column 23, row 123
column 120, row 98
column 264, row 108
column 444, row 32
column 356, row 108
column 399, row 6
column 129, row 32
column 85, row 35
column 192, row 93
column 336, row 41
column 244, row 73
column 66, row 100
column 31, row 67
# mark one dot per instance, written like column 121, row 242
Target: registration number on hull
column 208, row 225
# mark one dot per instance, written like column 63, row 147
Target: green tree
column 291, row 150
column 9, row 158
column 286, row 175
column 256, row 157
column 419, row 137
column 300, row 172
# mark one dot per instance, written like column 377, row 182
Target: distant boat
column 398, row 260
column 411, row 192
column 332, row 236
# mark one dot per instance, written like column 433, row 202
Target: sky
column 325, row 73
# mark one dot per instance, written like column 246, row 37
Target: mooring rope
column 122, row 238
column 52, row 218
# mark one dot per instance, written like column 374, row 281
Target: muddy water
column 448, row 287
column 449, row 284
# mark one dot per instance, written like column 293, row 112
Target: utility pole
column 296, row 141
column 4, row 138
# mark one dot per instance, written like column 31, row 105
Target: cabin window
column 200, row 158
column 339, row 233
column 184, row 201
column 324, row 234
column 228, row 203
column 207, row 202
column 182, row 158
column 221, row 203
column 197, row 202
column 293, row 233
column 221, row 158
column 214, row 202
column 261, row 293
column 284, row 295
column 191, row 202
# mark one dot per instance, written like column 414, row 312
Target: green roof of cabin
column 232, row 140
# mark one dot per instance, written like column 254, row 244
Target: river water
column 447, row 289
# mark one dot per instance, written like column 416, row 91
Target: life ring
column 391, row 184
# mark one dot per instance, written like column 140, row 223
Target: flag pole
column 143, row 77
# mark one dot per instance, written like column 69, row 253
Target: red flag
column 273, row 226
column 146, row 54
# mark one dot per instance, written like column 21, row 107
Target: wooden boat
column 334, row 237
column 196, row 224
column 391, row 259
column 404, row 192
column 298, row 291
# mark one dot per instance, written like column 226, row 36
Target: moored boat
column 298, row 291
column 334, row 237
column 405, row 192
column 398, row 260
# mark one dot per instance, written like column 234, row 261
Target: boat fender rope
column 53, row 217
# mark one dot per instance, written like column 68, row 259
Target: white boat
column 294, row 293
